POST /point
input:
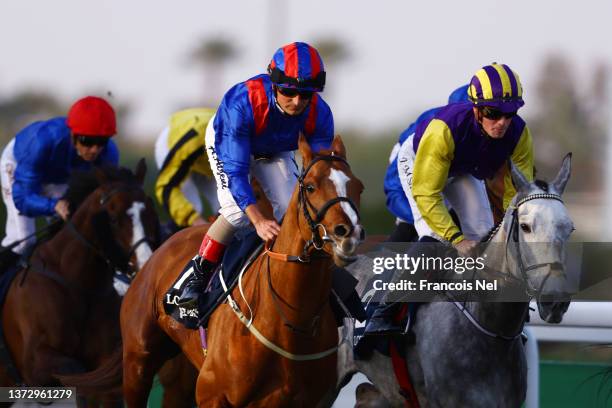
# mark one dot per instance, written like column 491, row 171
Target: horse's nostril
column 341, row 230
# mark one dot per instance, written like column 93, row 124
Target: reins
column 316, row 242
column 512, row 237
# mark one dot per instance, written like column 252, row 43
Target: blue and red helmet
column 299, row 66
column 497, row 86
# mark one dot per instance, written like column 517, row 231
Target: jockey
column 395, row 185
column 255, row 132
column 184, row 170
column 37, row 162
column 450, row 156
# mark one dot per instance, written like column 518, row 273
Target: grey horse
column 473, row 356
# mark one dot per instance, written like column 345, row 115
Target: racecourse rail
column 584, row 322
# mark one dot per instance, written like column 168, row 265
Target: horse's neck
column 502, row 317
column 304, row 286
column 71, row 254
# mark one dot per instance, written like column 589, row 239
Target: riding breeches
column 277, row 176
column 19, row 226
column 465, row 194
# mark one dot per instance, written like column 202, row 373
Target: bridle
column 512, row 238
column 104, row 199
column 317, row 240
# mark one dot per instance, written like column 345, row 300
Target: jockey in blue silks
column 255, row 132
column 37, row 162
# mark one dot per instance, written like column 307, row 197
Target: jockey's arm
column 522, row 157
column 266, row 228
column 233, row 148
column 28, row 183
column 431, row 166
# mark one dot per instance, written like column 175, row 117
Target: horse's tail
column 106, row 379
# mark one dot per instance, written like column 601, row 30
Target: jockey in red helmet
column 37, row 162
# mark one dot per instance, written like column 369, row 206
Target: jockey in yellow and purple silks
column 451, row 155
column 255, row 132
column 460, row 147
column 396, row 182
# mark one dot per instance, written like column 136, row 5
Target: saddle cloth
column 238, row 253
column 344, row 300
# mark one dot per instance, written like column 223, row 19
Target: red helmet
column 92, row 116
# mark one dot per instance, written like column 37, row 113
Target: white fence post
column 533, row 370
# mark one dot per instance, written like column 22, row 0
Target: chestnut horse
column 61, row 312
column 283, row 352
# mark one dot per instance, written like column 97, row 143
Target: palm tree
column 211, row 54
column 334, row 52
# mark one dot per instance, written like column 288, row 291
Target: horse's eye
column 526, row 228
column 310, row 188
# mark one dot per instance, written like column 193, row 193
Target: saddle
column 241, row 252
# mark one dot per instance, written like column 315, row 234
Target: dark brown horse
column 61, row 312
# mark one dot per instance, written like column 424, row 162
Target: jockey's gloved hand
column 466, row 248
column 62, row 208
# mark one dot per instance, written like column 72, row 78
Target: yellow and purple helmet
column 298, row 66
column 497, row 86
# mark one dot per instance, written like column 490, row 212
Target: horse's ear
column 564, row 174
column 520, row 181
column 141, row 171
column 304, row 149
column 338, row 147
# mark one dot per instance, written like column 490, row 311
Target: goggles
column 89, row 141
column 494, row 114
column 292, row 92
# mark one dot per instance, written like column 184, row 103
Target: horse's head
column 538, row 226
column 122, row 217
column 328, row 198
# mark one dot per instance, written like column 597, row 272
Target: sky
column 405, row 56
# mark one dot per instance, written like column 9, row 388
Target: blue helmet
column 299, row 66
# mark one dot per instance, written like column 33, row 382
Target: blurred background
column 386, row 63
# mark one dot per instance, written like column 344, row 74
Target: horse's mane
column 541, row 184
column 83, row 182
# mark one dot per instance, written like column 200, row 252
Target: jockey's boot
column 211, row 253
column 382, row 321
column 8, row 258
